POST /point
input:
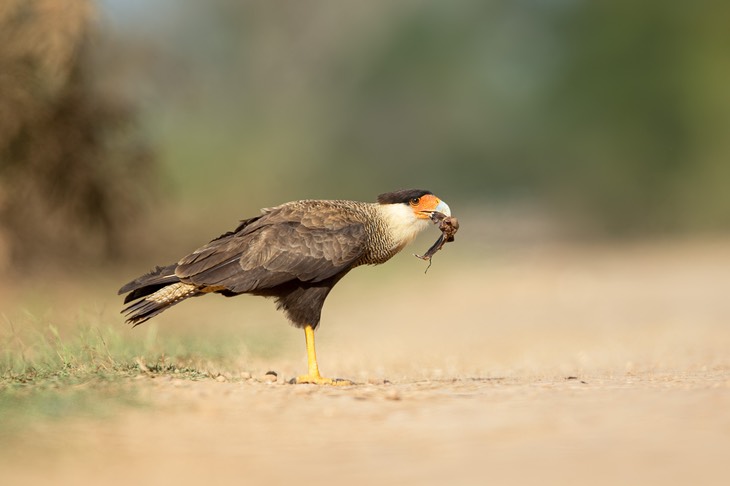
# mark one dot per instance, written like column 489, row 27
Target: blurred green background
column 600, row 119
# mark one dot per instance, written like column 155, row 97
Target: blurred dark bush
column 73, row 165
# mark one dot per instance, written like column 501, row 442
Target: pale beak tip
column 444, row 208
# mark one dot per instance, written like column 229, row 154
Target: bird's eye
column 414, row 201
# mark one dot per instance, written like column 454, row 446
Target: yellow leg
column 313, row 376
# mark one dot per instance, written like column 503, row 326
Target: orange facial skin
column 425, row 205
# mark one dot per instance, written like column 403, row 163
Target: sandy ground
column 561, row 366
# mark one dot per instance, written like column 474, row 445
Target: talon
column 320, row 380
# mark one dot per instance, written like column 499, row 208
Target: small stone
column 221, row 378
column 245, row 375
column 271, row 377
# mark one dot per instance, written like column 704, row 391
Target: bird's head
column 422, row 203
column 408, row 212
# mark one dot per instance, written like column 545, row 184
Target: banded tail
column 154, row 292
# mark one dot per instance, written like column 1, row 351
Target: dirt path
column 641, row 429
column 482, row 397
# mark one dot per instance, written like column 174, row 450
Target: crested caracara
column 294, row 253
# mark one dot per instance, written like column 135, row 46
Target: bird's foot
column 320, row 380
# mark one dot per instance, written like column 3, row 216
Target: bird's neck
column 397, row 227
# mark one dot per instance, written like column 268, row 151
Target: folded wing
column 290, row 242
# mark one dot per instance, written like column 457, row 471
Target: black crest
column 402, row 196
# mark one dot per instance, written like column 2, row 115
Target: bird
column 294, row 253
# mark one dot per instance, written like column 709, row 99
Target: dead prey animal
column 448, row 226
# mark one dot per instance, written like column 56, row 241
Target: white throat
column 403, row 225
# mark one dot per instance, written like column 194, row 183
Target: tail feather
column 153, row 293
column 156, row 302
column 149, row 283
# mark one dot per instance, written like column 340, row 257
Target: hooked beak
column 444, row 208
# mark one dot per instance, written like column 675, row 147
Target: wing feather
column 305, row 242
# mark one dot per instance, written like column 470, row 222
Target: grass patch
column 52, row 373
column 37, row 353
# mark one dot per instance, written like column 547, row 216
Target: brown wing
column 309, row 241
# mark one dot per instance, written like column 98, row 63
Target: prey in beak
column 448, row 226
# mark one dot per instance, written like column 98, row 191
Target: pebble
column 271, row 377
column 377, row 381
column 221, row 378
